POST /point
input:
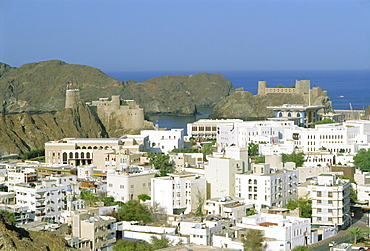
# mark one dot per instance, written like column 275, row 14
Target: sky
column 159, row 35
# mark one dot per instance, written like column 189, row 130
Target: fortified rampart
column 116, row 113
column 302, row 87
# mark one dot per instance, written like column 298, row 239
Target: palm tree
column 356, row 232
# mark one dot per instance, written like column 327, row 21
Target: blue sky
column 189, row 35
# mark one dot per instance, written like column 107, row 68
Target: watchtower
column 72, row 98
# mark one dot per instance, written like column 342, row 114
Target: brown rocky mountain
column 13, row 238
column 24, row 132
column 244, row 105
column 40, row 87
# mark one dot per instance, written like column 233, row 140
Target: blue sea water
column 344, row 87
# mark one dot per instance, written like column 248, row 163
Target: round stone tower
column 72, row 98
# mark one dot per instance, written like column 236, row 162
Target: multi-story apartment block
column 43, row 197
column 330, row 201
column 266, row 188
column 221, row 170
column 125, row 186
column 86, row 224
column 343, row 137
column 164, row 141
column 18, row 175
column 178, row 193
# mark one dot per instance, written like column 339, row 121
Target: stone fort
column 114, row 113
column 302, row 88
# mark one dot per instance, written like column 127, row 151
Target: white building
column 164, row 141
column 208, row 127
column 18, row 175
column 283, row 232
column 221, row 170
column 242, row 133
column 227, row 207
column 184, row 160
column 330, row 200
column 88, row 151
column 178, row 193
column 44, row 198
column 264, row 187
column 344, row 137
column 125, row 186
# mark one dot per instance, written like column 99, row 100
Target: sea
column 347, row 89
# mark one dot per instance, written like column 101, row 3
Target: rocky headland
column 246, row 106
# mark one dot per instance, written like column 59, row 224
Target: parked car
column 332, row 244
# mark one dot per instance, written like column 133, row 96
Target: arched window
column 87, row 155
column 280, row 114
column 95, row 147
column 64, row 157
column 71, row 155
column 82, row 155
column 289, row 114
column 84, row 147
column 76, row 155
column 298, row 114
column 89, row 147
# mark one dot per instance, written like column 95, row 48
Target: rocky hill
column 24, row 132
column 13, row 239
column 244, row 105
column 179, row 94
column 40, row 87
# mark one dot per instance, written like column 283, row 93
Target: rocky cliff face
column 40, row 87
column 13, row 239
column 179, row 94
column 244, row 105
column 23, row 132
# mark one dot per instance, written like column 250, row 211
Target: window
column 319, row 194
column 330, row 194
column 330, row 210
column 330, row 202
column 122, row 186
column 110, row 185
column 330, row 219
column 319, row 202
column 319, row 218
column 319, row 210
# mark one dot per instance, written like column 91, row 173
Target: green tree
column 252, row 149
column 250, row 212
column 34, row 153
column 125, row 245
column 200, row 203
column 305, row 206
column 89, row 197
column 206, row 150
column 160, row 162
column 159, row 243
column 301, row 248
column 133, row 210
column 8, row 216
column 259, row 159
column 352, row 195
column 356, row 232
column 253, row 240
column 297, row 158
column 143, row 197
column 184, row 150
column 324, row 121
column 362, row 159
column 291, row 86
column 108, row 201
column 281, row 86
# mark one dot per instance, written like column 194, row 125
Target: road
column 359, row 220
